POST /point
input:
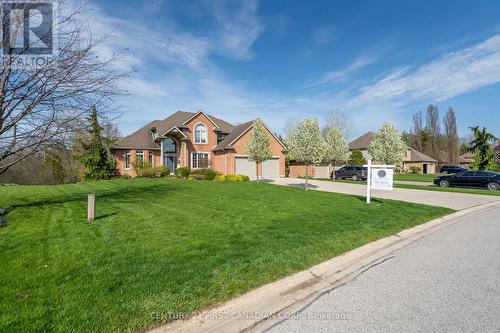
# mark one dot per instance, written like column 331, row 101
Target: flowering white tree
column 336, row 147
column 259, row 145
column 306, row 144
column 388, row 146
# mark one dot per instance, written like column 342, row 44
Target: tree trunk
column 257, row 170
column 307, row 172
column 333, row 171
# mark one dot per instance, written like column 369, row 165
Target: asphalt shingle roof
column 363, row 141
column 143, row 139
column 235, row 133
column 416, row 156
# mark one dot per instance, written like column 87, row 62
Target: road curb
column 267, row 306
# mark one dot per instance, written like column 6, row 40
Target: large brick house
column 197, row 140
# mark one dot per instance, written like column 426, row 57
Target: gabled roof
column 143, row 138
column 238, row 132
column 363, row 141
column 233, row 136
column 416, row 156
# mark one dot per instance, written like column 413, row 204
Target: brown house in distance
column 196, row 140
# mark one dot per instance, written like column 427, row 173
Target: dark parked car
column 352, row 172
column 452, row 169
column 488, row 179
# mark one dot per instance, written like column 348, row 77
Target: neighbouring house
column 465, row 160
column 197, row 140
column 322, row 170
column 414, row 158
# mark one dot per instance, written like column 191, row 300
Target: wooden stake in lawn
column 91, row 207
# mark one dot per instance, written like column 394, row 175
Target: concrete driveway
column 457, row 201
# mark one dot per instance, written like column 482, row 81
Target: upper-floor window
column 200, row 134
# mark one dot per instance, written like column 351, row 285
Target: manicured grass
column 416, row 177
column 473, row 190
column 161, row 248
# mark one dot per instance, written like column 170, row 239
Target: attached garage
column 322, row 171
column 245, row 167
column 271, row 168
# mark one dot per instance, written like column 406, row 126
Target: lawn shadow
column 104, row 216
column 117, row 193
column 362, row 198
column 302, row 185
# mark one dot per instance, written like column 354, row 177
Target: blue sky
column 376, row 60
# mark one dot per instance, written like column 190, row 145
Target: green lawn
column 160, row 248
column 416, row 177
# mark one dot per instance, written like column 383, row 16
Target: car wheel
column 444, row 183
column 493, row 186
column 354, row 177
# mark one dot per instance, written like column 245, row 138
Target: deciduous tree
column 388, row 146
column 306, row 144
column 336, row 147
column 452, row 141
column 339, row 120
column 40, row 104
column 259, row 145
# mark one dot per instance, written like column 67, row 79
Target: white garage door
column 271, row 168
column 322, row 171
column 245, row 167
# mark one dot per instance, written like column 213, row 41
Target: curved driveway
column 453, row 200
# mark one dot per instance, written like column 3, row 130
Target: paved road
column 451, row 200
column 448, row 281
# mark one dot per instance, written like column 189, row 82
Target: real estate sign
column 382, row 178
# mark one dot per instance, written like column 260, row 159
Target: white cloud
column 452, row 74
column 336, row 76
column 239, row 27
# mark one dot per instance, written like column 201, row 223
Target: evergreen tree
column 481, row 147
column 94, row 155
column 357, row 158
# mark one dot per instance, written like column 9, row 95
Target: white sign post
column 380, row 177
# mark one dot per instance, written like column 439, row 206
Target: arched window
column 200, row 134
column 169, row 146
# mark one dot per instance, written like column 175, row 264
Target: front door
column 170, row 162
column 425, row 169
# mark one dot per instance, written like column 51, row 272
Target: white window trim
column 139, row 154
column 194, row 134
column 201, row 152
column 150, row 153
column 125, row 159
